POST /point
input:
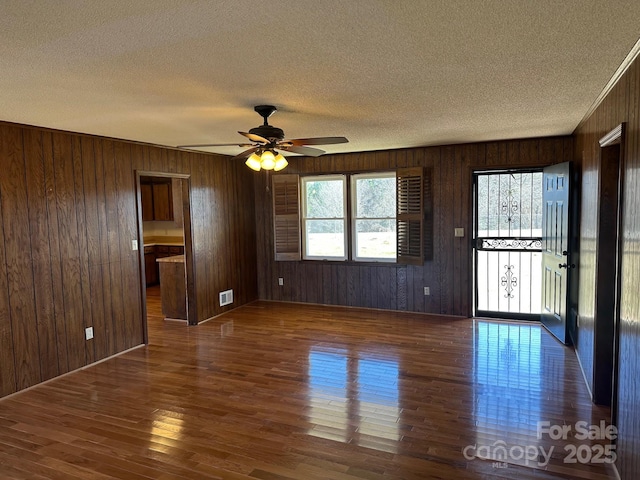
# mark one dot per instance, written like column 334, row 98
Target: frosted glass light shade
column 268, row 160
column 281, row 162
column 253, row 162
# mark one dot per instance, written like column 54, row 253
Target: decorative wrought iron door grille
column 508, row 243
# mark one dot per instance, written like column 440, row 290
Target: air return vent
column 226, row 298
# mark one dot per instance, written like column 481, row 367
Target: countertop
column 164, row 244
column 174, row 259
column 167, row 241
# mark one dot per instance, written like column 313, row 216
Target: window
column 373, row 208
column 383, row 222
column 324, row 217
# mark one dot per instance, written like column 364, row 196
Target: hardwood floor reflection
column 284, row 391
column 154, row 303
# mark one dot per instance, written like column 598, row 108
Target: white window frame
column 354, row 217
column 303, row 216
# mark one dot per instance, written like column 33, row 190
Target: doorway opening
column 164, row 224
column 608, row 270
column 508, row 243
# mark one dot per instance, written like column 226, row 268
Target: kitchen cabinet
column 176, row 193
column 157, row 199
column 146, row 192
column 150, row 266
column 162, row 202
column 151, row 254
column 173, row 287
column 169, row 250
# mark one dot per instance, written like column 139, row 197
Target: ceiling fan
column 267, row 140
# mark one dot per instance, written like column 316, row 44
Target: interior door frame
column 188, row 246
column 613, row 138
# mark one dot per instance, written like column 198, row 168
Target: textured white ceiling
column 385, row 74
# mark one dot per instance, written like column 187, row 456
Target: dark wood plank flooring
column 285, row 391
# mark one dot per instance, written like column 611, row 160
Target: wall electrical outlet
column 458, row 232
column 134, row 245
column 88, row 333
column 280, row 281
column 427, row 291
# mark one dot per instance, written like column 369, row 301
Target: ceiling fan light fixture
column 253, row 162
column 268, row 160
column 281, row 162
column 266, row 140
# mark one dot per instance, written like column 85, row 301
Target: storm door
column 508, row 244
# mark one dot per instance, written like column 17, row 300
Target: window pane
column 325, row 199
column 325, row 238
column 374, row 216
column 376, row 238
column 376, row 197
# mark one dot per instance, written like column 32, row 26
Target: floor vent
column 226, row 298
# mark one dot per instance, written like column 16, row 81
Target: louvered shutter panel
column 410, row 215
column 286, row 217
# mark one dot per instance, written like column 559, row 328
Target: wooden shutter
column 410, row 215
column 286, row 217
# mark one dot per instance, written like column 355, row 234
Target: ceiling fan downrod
column 265, row 111
column 269, row 132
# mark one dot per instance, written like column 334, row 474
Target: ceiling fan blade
column 246, row 153
column 308, row 151
column 216, row 145
column 318, row 141
column 254, row 138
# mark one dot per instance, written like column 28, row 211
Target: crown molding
column 613, row 137
column 622, row 69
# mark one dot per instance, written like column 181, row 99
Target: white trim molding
column 612, row 138
column 622, row 69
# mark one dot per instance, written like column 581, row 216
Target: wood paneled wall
column 621, row 105
column 68, row 216
column 400, row 287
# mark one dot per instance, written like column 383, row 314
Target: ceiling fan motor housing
column 267, row 131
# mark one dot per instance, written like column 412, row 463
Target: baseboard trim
column 409, row 312
column 224, row 313
column 584, row 375
column 73, row 371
